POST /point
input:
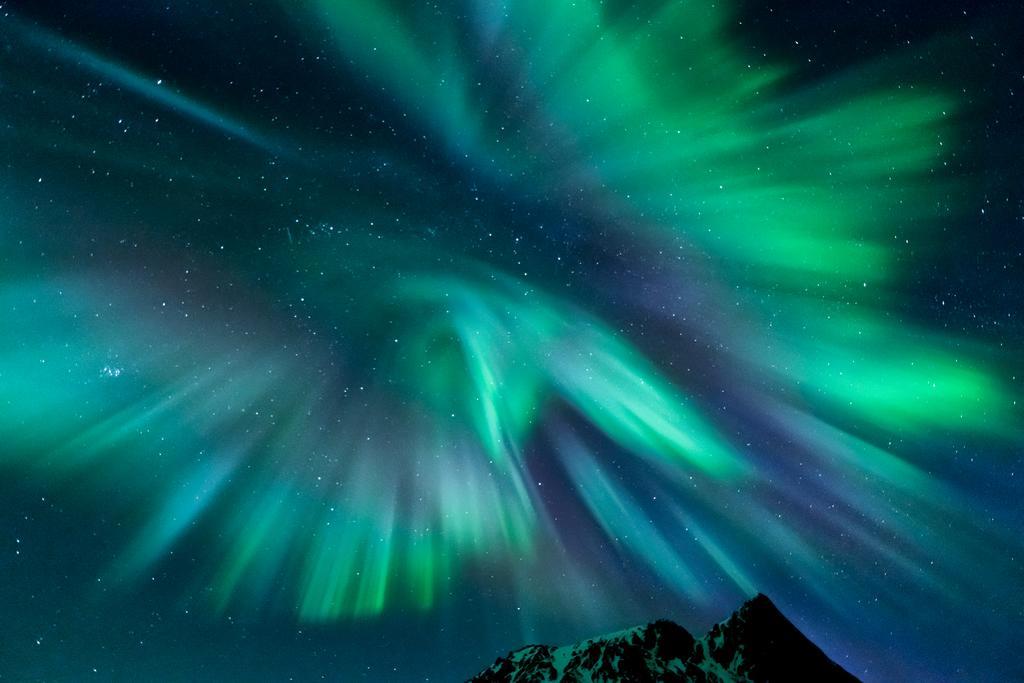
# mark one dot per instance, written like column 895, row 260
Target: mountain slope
column 757, row 643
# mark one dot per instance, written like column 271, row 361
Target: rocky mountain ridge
column 756, row 644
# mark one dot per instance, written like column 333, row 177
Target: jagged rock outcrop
column 756, row 644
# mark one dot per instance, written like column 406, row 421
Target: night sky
column 371, row 339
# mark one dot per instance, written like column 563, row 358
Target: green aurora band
column 357, row 404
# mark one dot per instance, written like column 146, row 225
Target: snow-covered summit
column 757, row 643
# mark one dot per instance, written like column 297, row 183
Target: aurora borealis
column 370, row 339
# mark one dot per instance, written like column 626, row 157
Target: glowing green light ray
column 386, row 388
column 150, row 88
column 181, row 507
column 626, row 523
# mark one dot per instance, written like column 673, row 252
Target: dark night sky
column 370, row 340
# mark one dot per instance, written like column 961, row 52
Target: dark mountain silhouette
column 757, row 643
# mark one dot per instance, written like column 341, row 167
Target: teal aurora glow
column 576, row 311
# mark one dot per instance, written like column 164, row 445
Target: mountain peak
column 756, row 643
column 760, row 604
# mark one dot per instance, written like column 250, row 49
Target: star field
column 360, row 339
